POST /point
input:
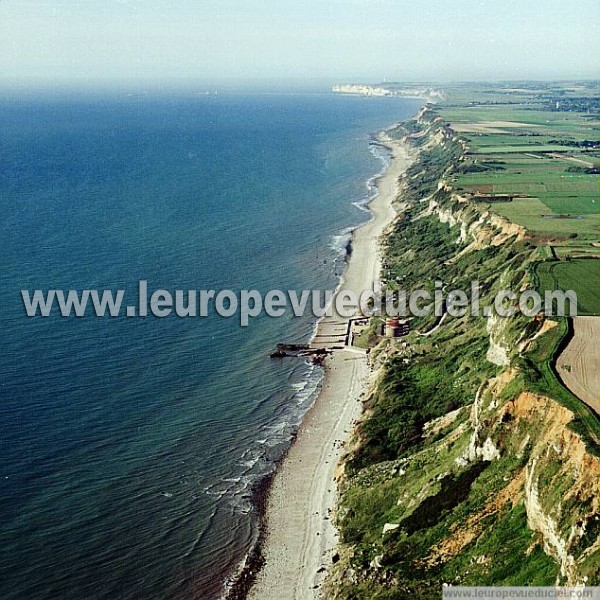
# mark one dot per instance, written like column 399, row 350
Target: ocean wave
column 260, row 460
column 382, row 154
column 339, row 241
column 261, row 457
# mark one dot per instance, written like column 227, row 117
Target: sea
column 131, row 447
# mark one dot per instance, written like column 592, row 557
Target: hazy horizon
column 81, row 43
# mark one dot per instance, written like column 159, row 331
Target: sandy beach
column 300, row 538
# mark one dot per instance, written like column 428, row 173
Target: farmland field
column 544, row 157
column 577, row 251
column 509, row 149
column 531, row 154
column 581, row 276
column 579, row 364
column 535, row 215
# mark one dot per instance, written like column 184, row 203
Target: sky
column 59, row 42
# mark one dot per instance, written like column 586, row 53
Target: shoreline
column 297, row 538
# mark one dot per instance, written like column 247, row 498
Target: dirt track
column 579, row 364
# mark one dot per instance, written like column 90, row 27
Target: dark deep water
column 129, row 446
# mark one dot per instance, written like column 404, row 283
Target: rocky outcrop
column 497, row 353
column 560, row 480
column 562, row 483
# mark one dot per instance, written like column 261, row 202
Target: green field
column 577, row 251
column 581, row 276
column 553, row 190
column 535, row 216
column 508, row 149
column 508, row 152
column 555, row 125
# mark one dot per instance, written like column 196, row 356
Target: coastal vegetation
column 473, row 464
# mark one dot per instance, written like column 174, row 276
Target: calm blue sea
column 129, row 447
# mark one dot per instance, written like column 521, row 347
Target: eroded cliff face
column 478, row 229
column 501, row 491
column 558, row 480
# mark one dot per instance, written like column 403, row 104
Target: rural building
column 396, row 328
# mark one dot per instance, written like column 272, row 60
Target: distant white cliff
column 364, row 90
column 427, row 93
